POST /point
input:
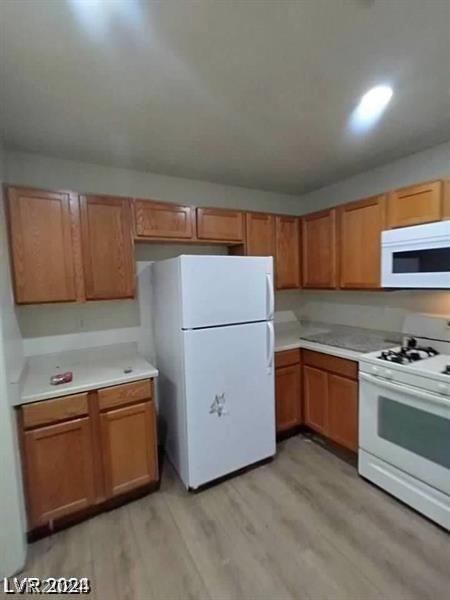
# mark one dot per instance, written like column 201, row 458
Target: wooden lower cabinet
column 343, row 411
column 288, row 390
column 331, row 398
column 67, row 460
column 129, row 448
column 316, row 399
column 288, row 397
column 60, row 476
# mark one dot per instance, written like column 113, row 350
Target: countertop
column 104, row 366
column 92, row 368
column 337, row 340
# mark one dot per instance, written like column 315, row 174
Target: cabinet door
column 360, row 227
column 260, row 239
column 43, row 252
column 59, row 472
column 287, row 254
column 220, row 225
column 415, row 204
column 319, row 249
column 343, row 411
column 288, row 397
column 107, row 247
column 316, row 399
column 129, row 448
column 163, row 220
column 446, row 200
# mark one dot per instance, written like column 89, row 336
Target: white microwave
column 416, row 257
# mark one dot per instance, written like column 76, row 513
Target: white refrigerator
column 214, row 341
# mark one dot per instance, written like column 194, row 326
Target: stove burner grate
column 409, row 353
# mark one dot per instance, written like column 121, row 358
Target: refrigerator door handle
column 270, row 296
column 270, row 346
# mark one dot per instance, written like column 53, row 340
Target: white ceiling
column 252, row 92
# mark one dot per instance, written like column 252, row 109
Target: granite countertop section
column 92, row 368
column 338, row 340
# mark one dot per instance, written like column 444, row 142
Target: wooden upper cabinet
column 42, row 232
column 416, row 204
column 446, row 200
column 106, row 230
column 260, row 234
column 58, row 470
column 360, row 227
column 129, row 448
column 319, row 249
column 287, row 253
column 220, row 225
column 163, row 221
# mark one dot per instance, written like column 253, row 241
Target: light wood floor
column 302, row 526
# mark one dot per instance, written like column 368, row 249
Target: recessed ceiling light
column 370, row 107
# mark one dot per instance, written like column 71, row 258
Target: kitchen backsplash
column 53, row 328
column 384, row 311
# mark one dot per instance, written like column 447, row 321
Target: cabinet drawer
column 124, row 394
column 287, row 357
column 52, row 411
column 341, row 366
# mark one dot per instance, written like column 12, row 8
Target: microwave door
column 423, row 264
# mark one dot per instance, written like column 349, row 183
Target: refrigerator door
column 229, row 399
column 223, row 290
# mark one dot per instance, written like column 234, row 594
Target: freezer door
column 220, row 290
column 230, row 399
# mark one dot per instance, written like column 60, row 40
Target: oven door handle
column 427, row 396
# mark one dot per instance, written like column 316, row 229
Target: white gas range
column 404, row 418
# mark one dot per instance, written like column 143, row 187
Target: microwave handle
column 427, row 396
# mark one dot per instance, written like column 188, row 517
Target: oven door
column 406, row 427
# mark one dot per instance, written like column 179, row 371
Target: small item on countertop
column 61, row 378
column 128, row 370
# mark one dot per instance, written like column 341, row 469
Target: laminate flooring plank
column 303, row 526
column 163, row 552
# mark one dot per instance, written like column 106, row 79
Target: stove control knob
column 375, row 370
column 444, row 388
column 388, row 373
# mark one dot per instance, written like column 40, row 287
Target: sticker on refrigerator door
column 218, row 406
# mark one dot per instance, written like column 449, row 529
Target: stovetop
column 421, row 361
column 412, row 352
column 428, row 357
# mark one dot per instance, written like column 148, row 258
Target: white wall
column 380, row 310
column 384, row 311
column 105, row 322
column 12, row 538
column 433, row 163
column 55, row 327
column 47, row 172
